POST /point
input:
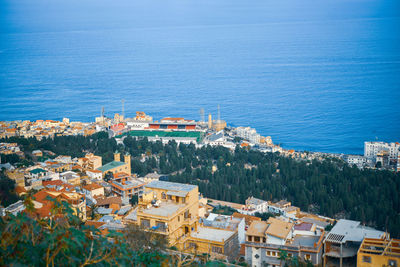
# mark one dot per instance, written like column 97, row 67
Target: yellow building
column 18, row 176
column 379, row 252
column 90, row 162
column 172, row 209
column 116, row 165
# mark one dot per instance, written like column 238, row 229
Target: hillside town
column 377, row 154
column 111, row 195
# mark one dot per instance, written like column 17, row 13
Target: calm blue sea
column 314, row 75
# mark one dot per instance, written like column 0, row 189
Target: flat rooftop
column 171, row 186
column 217, row 235
column 305, row 241
column 165, row 209
column 347, row 230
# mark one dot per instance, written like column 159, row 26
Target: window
column 250, row 239
column 392, row 263
column 183, row 200
column 192, row 245
column 273, row 253
column 216, row 249
column 145, row 223
column 307, row 257
column 268, row 253
column 161, row 226
column 264, row 240
column 366, row 259
column 163, row 195
column 256, row 239
column 290, row 255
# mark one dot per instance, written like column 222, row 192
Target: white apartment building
column 358, row 160
column 371, row 149
column 249, row 134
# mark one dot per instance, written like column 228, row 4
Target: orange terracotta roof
column 41, row 196
column 121, row 175
column 257, row 228
column 94, row 223
column 108, row 201
column 248, row 218
column 20, row 189
column 92, row 186
column 45, row 210
column 278, row 228
column 76, row 167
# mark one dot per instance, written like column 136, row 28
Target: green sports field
column 142, row 133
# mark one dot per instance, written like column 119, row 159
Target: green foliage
column 7, row 190
column 264, row 216
column 63, row 240
column 10, row 158
column 224, row 210
column 330, row 187
column 134, row 200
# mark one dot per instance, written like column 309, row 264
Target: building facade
column 379, row 252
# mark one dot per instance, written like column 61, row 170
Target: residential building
column 109, row 202
column 44, row 206
column 94, row 174
column 37, row 173
column 371, row 149
column 344, row 240
column 358, row 160
column 90, row 162
column 18, row 176
column 254, row 205
column 249, row 134
column 171, row 209
column 228, row 223
column 266, row 240
column 284, row 208
column 379, row 252
column 93, row 190
column 15, row 208
column 248, row 219
column 127, row 188
column 219, row 139
column 37, row 153
column 70, row 177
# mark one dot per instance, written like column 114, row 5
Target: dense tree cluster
column 63, row 239
column 328, row 187
column 7, row 190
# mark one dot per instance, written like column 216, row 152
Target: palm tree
column 294, row 261
column 282, row 256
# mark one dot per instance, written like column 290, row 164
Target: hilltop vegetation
column 330, row 187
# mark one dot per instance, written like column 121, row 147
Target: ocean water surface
column 313, row 75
